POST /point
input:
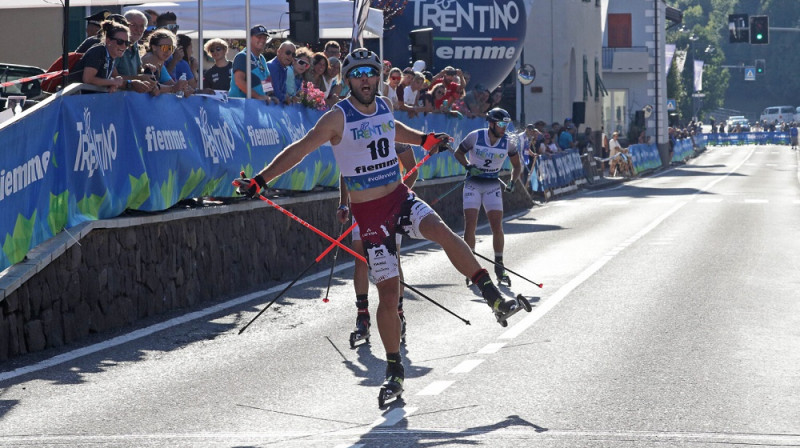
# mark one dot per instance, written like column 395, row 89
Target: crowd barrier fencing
column 88, row 157
column 748, row 138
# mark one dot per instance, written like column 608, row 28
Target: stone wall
column 112, row 276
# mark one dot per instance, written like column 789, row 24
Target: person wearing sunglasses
column 218, row 77
column 96, row 66
column 162, row 45
column 390, row 87
column 296, row 73
column 279, row 68
column 363, row 131
column 483, row 153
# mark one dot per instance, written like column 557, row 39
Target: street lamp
column 692, row 39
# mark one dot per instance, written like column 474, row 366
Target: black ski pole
column 434, row 302
column 455, row 187
column 333, row 265
column 278, row 296
column 507, row 269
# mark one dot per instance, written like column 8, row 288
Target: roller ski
column 393, row 385
column 501, row 307
column 361, row 332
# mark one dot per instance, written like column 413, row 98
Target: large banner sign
column 482, row 37
column 92, row 157
column 557, row 170
column 749, row 138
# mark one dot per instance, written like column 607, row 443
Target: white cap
column 419, row 65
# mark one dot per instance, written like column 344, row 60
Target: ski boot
column 503, row 279
column 393, row 386
column 500, row 272
column 502, row 308
column 362, row 329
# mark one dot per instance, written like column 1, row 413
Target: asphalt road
column 669, row 317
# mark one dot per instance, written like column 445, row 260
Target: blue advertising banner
column 91, row 157
column 749, row 138
column 645, row 157
column 557, row 170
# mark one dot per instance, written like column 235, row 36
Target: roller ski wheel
column 509, row 308
column 504, row 280
column 392, row 388
column 361, row 333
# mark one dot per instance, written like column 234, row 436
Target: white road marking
column 466, row 366
column 550, row 302
column 494, row 347
column 393, row 417
column 709, row 200
column 756, row 201
column 357, row 445
column 615, row 202
column 435, row 388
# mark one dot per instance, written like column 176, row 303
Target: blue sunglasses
column 360, row 72
column 502, row 124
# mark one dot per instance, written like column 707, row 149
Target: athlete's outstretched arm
column 405, row 134
column 328, row 128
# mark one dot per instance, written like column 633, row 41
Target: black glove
column 250, row 187
column 435, row 142
column 510, row 186
column 473, row 171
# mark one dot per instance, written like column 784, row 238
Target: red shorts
column 380, row 220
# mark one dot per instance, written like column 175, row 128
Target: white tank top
column 366, row 154
column 484, row 156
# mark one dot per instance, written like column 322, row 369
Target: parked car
column 738, row 120
column 781, row 114
column 12, row 72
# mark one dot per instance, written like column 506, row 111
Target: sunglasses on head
column 123, row 42
column 167, row 48
column 360, row 72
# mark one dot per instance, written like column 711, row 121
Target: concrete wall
column 106, row 275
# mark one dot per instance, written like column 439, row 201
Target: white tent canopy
column 226, row 18
column 19, row 4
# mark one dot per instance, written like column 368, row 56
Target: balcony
column 626, row 60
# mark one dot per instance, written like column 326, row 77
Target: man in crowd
column 279, row 67
column 261, row 86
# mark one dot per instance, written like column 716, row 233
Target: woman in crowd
column 390, row 87
column 96, row 66
column 319, row 66
column 218, row 77
column 162, row 45
column 333, row 84
column 301, row 65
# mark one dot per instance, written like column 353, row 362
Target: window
column 619, row 31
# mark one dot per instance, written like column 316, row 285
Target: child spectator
column 218, row 77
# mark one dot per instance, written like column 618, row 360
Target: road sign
column 749, row 73
column 672, row 104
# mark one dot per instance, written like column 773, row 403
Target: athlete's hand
column 510, row 186
column 342, row 213
column 473, row 170
column 436, row 142
column 249, row 187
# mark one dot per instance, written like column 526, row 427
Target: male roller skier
column 362, row 132
column 360, row 276
column 483, row 153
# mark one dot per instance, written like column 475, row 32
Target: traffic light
column 738, row 28
column 761, row 64
column 759, row 30
column 422, row 46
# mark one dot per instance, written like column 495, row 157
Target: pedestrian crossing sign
column 672, row 104
column 749, row 73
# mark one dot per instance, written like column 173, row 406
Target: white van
column 783, row 114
